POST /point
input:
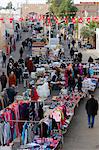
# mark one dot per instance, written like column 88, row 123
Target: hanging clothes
column 30, row 133
column 32, row 111
column 15, row 108
column 7, row 133
column 24, row 133
column 24, row 114
column 1, row 133
column 34, row 94
column 43, row 130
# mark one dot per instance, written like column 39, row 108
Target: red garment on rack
column 34, row 95
column 15, row 108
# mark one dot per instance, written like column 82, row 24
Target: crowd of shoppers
column 18, row 72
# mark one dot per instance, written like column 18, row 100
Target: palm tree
column 89, row 31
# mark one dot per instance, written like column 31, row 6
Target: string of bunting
column 48, row 20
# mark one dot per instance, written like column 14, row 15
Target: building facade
column 88, row 9
column 7, row 27
column 36, row 8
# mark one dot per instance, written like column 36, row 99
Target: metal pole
column 49, row 36
column 97, row 8
column 49, row 29
column 23, row 121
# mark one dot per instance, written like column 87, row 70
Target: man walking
column 3, row 60
column 3, row 80
column 21, row 52
column 72, row 53
column 91, row 108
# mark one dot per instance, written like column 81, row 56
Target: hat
column 12, row 72
column 92, row 95
column 13, row 85
column 32, row 82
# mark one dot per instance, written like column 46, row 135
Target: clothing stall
column 39, row 119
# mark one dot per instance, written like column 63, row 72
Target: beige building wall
column 6, row 25
column 2, row 38
column 91, row 8
column 37, row 8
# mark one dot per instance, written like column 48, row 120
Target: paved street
column 87, row 53
column 16, row 56
column 64, row 19
column 79, row 136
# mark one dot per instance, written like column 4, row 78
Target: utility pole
column 97, row 8
column 49, row 28
column 49, row 34
column 26, row 1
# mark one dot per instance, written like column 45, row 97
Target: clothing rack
column 22, row 121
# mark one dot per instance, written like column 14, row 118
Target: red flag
column 88, row 19
column 73, row 20
column 80, row 20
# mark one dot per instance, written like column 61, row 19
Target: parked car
column 88, row 46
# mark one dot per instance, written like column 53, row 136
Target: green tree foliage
column 86, row 32
column 89, row 30
column 93, row 25
column 9, row 5
column 63, row 7
column 54, row 6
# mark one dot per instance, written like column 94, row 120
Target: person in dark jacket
column 11, row 60
column 71, row 83
column 72, row 53
column 21, row 61
column 11, row 94
column 26, row 60
column 80, row 57
column 79, row 83
column 91, row 108
column 23, row 44
column 4, row 60
column 40, row 112
column 3, row 80
column 90, row 60
column 17, row 73
column 21, row 52
column 73, row 42
column 75, row 68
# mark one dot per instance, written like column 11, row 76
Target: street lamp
column 49, row 28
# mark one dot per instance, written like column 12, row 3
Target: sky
column 16, row 2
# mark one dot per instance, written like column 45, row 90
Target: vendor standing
column 25, row 77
